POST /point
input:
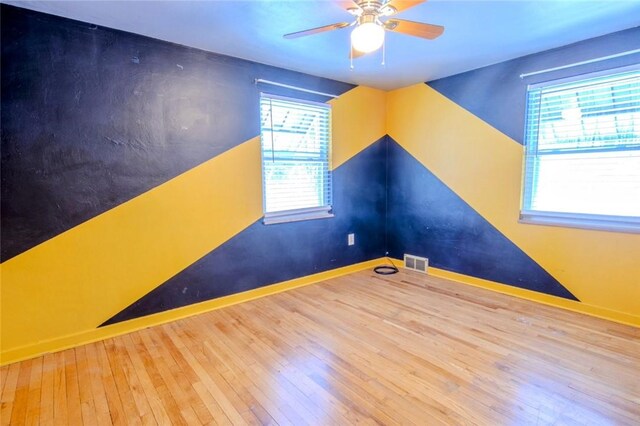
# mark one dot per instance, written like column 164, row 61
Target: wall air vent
column 416, row 263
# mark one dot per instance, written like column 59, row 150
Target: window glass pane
column 574, row 118
column 582, row 153
column 295, row 154
column 604, row 184
column 283, row 178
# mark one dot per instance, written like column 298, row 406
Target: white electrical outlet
column 351, row 239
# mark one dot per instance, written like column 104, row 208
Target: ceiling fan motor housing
column 373, row 7
column 367, row 18
column 370, row 11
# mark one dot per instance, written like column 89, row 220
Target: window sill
column 592, row 222
column 297, row 215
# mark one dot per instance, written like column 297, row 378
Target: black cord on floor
column 386, row 269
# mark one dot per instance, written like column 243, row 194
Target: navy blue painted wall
column 267, row 254
column 497, row 94
column 92, row 117
column 426, row 218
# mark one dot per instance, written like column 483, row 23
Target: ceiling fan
column 368, row 34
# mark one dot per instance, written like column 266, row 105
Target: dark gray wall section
column 267, row 254
column 426, row 218
column 497, row 94
column 92, row 117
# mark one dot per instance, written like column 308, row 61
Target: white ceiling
column 478, row 33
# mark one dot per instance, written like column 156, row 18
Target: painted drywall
column 93, row 117
column 427, row 218
column 466, row 132
column 129, row 163
column 131, row 185
column 261, row 255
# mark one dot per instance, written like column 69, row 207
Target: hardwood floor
column 402, row 349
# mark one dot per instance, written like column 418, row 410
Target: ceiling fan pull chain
column 384, row 50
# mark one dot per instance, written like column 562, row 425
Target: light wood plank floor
column 403, row 349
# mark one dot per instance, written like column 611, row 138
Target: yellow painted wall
column 56, row 294
column 484, row 167
column 359, row 119
column 78, row 279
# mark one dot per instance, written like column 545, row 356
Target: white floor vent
column 415, row 263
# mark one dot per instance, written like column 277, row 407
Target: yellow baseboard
column 96, row 334
column 559, row 302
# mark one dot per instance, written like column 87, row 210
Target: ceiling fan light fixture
column 369, row 32
column 367, row 37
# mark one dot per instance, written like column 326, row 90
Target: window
column 582, row 152
column 296, row 175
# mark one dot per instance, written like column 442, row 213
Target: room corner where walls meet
column 136, row 190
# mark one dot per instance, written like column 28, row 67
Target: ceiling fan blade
column 347, row 4
column 400, row 5
column 417, row 29
column 317, row 30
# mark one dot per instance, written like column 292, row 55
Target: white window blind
column 582, row 152
column 296, row 170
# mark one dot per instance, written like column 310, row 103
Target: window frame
column 307, row 213
column 626, row 224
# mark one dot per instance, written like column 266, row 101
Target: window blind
column 296, row 169
column 582, row 151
